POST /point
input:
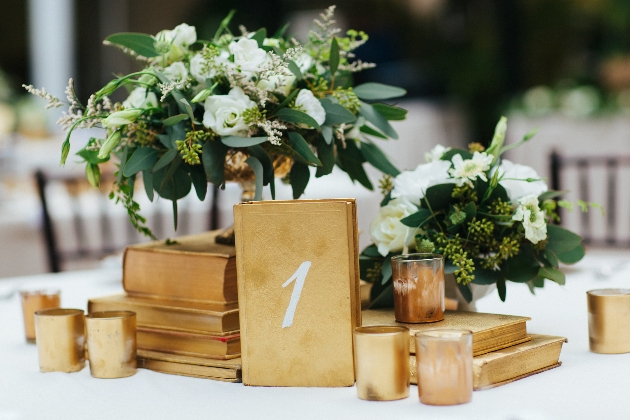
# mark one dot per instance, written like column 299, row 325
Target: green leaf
column 560, row 240
column 236, row 141
column 268, row 175
column 326, row 155
column 378, row 91
column 373, row 116
column 377, row 158
column 521, row 268
column 174, row 119
column 386, row 199
column 224, row 24
column 465, row 154
column 142, row 159
column 296, row 117
column 173, row 187
column 391, row 113
column 350, row 160
column 175, row 214
column 327, row 132
column 438, row 196
column 551, row 258
column 548, row 195
column 501, row 288
column 147, row 179
column 302, row 148
column 483, row 276
column 372, row 132
column 91, row 156
column 465, row 291
column 417, row 219
column 123, row 161
column 299, row 177
column 293, row 68
column 213, row 158
column 287, row 101
column 497, row 140
column 189, row 109
column 371, row 251
column 199, row 180
column 258, row 172
column 280, row 32
column 572, row 256
column 471, row 211
column 165, row 159
column 386, row 270
column 382, row 297
column 259, row 36
column 333, row 61
column 552, row 274
column 93, row 174
column 141, row 44
column 336, row 114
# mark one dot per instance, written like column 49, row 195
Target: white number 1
column 299, row 276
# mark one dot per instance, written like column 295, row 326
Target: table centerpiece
column 243, row 108
column 492, row 219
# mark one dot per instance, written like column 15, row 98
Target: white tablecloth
column 586, row 386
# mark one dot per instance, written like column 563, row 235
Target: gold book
column 298, row 291
column 188, row 344
column 219, row 370
column 491, row 332
column 179, row 315
column 194, row 268
column 511, row 364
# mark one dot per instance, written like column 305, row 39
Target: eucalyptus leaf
column 173, row 187
column 520, row 268
column 551, row 258
column 483, row 276
column 302, row 148
column 438, row 196
column 142, row 159
column 141, row 44
column 165, row 159
column 501, row 288
column 235, row 141
column 350, row 160
column 336, row 114
column 199, row 180
column 378, row 91
column 293, row 68
column 391, row 113
column 258, row 173
column 382, row 297
column 560, row 240
column 189, row 109
column 286, row 101
column 327, row 133
column 299, row 177
column 417, row 219
column 259, row 36
column 147, row 179
column 174, row 119
column 465, row 154
column 296, row 117
column 333, row 61
column 465, row 291
column 572, row 256
column 175, row 214
column 386, row 199
column 371, row 251
column 213, row 159
column 386, row 270
column 377, row 158
column 268, row 175
column 326, row 155
column 282, row 30
column 552, row 274
column 372, row 132
column 373, row 116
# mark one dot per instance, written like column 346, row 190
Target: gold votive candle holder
column 111, row 343
column 418, row 287
column 444, row 366
column 33, row 301
column 609, row 320
column 60, row 340
column 381, row 362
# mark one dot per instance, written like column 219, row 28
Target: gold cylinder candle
column 60, row 340
column 33, row 301
column 418, row 287
column 381, row 362
column 444, row 366
column 609, row 320
column 111, row 343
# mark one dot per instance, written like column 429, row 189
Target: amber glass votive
column 111, row 342
column 609, row 320
column 418, row 287
column 60, row 340
column 381, row 362
column 444, row 366
column 33, row 301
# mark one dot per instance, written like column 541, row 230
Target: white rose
column 183, row 35
column 436, row 153
column 388, row 233
column 224, row 113
column 413, row 184
column 310, row 105
column 139, row 98
column 277, row 82
column 532, row 217
column 176, row 72
column 247, row 55
column 513, row 177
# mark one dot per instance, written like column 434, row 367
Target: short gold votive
column 418, row 287
column 444, row 366
column 111, row 343
column 609, row 320
column 60, row 340
column 381, row 362
column 33, row 301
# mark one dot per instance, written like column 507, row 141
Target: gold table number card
column 298, row 291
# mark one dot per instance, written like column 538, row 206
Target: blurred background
column 562, row 65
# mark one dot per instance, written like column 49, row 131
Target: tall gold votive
column 60, row 340
column 33, row 301
column 111, row 342
column 444, row 366
column 609, row 320
column 418, row 287
column 381, row 362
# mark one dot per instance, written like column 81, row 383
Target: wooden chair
column 611, row 229
column 92, row 236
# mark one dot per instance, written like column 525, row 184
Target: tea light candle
column 444, row 366
column 111, row 342
column 609, row 320
column 381, row 362
column 33, row 301
column 418, row 287
column 60, row 340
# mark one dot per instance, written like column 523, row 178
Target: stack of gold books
column 185, row 299
column 503, row 351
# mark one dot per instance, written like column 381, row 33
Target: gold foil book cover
column 298, row 291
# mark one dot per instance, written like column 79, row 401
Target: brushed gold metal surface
column 418, row 287
column 381, row 362
column 33, row 301
column 111, row 342
column 60, row 340
column 444, row 363
column 609, row 320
